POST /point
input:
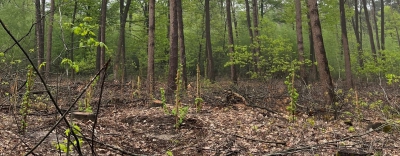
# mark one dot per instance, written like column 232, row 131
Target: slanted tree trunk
column 173, row 43
column 300, row 45
column 256, row 34
column 323, row 68
column 382, row 25
column 345, row 45
column 370, row 34
column 181, row 41
column 210, row 59
column 150, row 48
column 49, row 39
column 119, row 64
column 231, row 43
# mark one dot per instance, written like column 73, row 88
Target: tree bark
column 235, row 23
column 231, row 41
column 313, row 68
column 119, row 64
column 256, row 34
column 71, row 52
column 320, row 53
column 39, row 34
column 375, row 24
column 49, row 39
column 210, row 60
column 357, row 34
column 150, row 48
column 382, row 25
column 173, row 43
column 370, row 34
column 181, row 41
column 300, row 45
column 103, row 32
column 345, row 45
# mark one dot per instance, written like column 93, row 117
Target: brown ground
column 226, row 125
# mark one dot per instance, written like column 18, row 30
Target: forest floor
column 254, row 123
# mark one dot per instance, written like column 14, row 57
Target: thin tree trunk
column 256, row 34
column 371, row 36
column 320, row 53
column 382, row 25
column 71, row 55
column 103, row 33
column 150, row 48
column 300, row 45
column 250, row 32
column 210, row 60
column 119, row 64
column 375, row 24
column 173, row 52
column 235, row 23
column 39, row 34
column 181, row 41
column 397, row 35
column 357, row 34
column 313, row 68
column 231, row 42
column 345, row 45
column 49, row 39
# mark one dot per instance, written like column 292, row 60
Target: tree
column 231, row 43
column 173, row 43
column 299, row 32
column 382, row 25
column 49, row 39
column 371, row 36
column 39, row 32
column 345, row 45
column 373, row 14
column 210, row 61
column 356, row 28
column 313, row 69
column 119, row 64
column 248, row 19
column 150, row 48
column 323, row 68
column 256, row 40
column 102, row 33
column 181, row 40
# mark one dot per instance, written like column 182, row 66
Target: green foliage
column 294, row 95
column 351, row 129
column 169, row 153
column 26, row 102
column 68, row 64
column 64, row 145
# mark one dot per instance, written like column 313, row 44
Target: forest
column 199, row 77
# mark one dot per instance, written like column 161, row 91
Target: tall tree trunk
column 103, row 33
column 345, row 45
column 256, row 34
column 320, row 53
column 173, row 43
column 370, row 34
column 397, row 35
column 210, row 59
column 235, row 23
column 181, row 40
column 375, row 24
column 231, row 42
column 313, row 68
column 39, row 34
column 119, row 64
column 150, row 48
column 250, row 31
column 357, row 34
column 71, row 52
column 300, row 45
column 382, row 25
column 49, row 39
